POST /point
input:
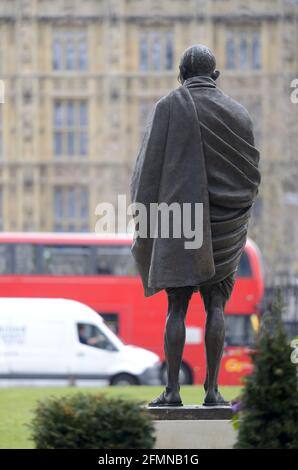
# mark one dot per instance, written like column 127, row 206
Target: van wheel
column 185, row 375
column 124, row 379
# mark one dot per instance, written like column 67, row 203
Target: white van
column 60, row 339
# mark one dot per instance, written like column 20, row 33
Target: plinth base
column 193, row 427
column 190, row 412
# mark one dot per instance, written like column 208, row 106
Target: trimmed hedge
column 86, row 421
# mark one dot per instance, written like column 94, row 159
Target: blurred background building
column 81, row 77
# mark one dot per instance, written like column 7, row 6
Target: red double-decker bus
column 100, row 272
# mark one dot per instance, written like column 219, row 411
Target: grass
column 17, row 406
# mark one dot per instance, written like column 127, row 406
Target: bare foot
column 214, row 398
column 167, row 398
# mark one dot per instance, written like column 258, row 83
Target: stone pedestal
column 193, row 427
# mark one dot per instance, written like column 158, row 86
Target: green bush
column 269, row 404
column 87, row 421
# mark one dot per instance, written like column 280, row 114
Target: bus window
column 25, row 258
column 115, row 260
column 244, row 268
column 5, row 259
column 239, row 331
column 111, row 320
column 61, row 260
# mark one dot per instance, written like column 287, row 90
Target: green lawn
column 17, row 404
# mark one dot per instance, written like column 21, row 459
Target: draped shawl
column 198, row 146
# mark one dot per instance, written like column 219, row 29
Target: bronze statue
column 198, row 147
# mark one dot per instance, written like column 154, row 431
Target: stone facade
column 81, row 77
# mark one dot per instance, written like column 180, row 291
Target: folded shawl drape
column 198, row 147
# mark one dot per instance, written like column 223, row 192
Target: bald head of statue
column 197, row 60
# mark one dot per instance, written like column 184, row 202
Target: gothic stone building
column 81, row 77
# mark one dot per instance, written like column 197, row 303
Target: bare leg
column 174, row 340
column 174, row 337
column 220, row 398
column 214, row 343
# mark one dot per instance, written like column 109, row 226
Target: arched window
column 57, row 54
column 144, row 51
column 169, row 51
column 83, row 54
column 256, row 52
column 70, row 54
column 243, row 56
column 230, row 52
column 156, row 51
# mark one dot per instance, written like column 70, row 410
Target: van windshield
column 91, row 335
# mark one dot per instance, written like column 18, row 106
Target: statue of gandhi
column 208, row 138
